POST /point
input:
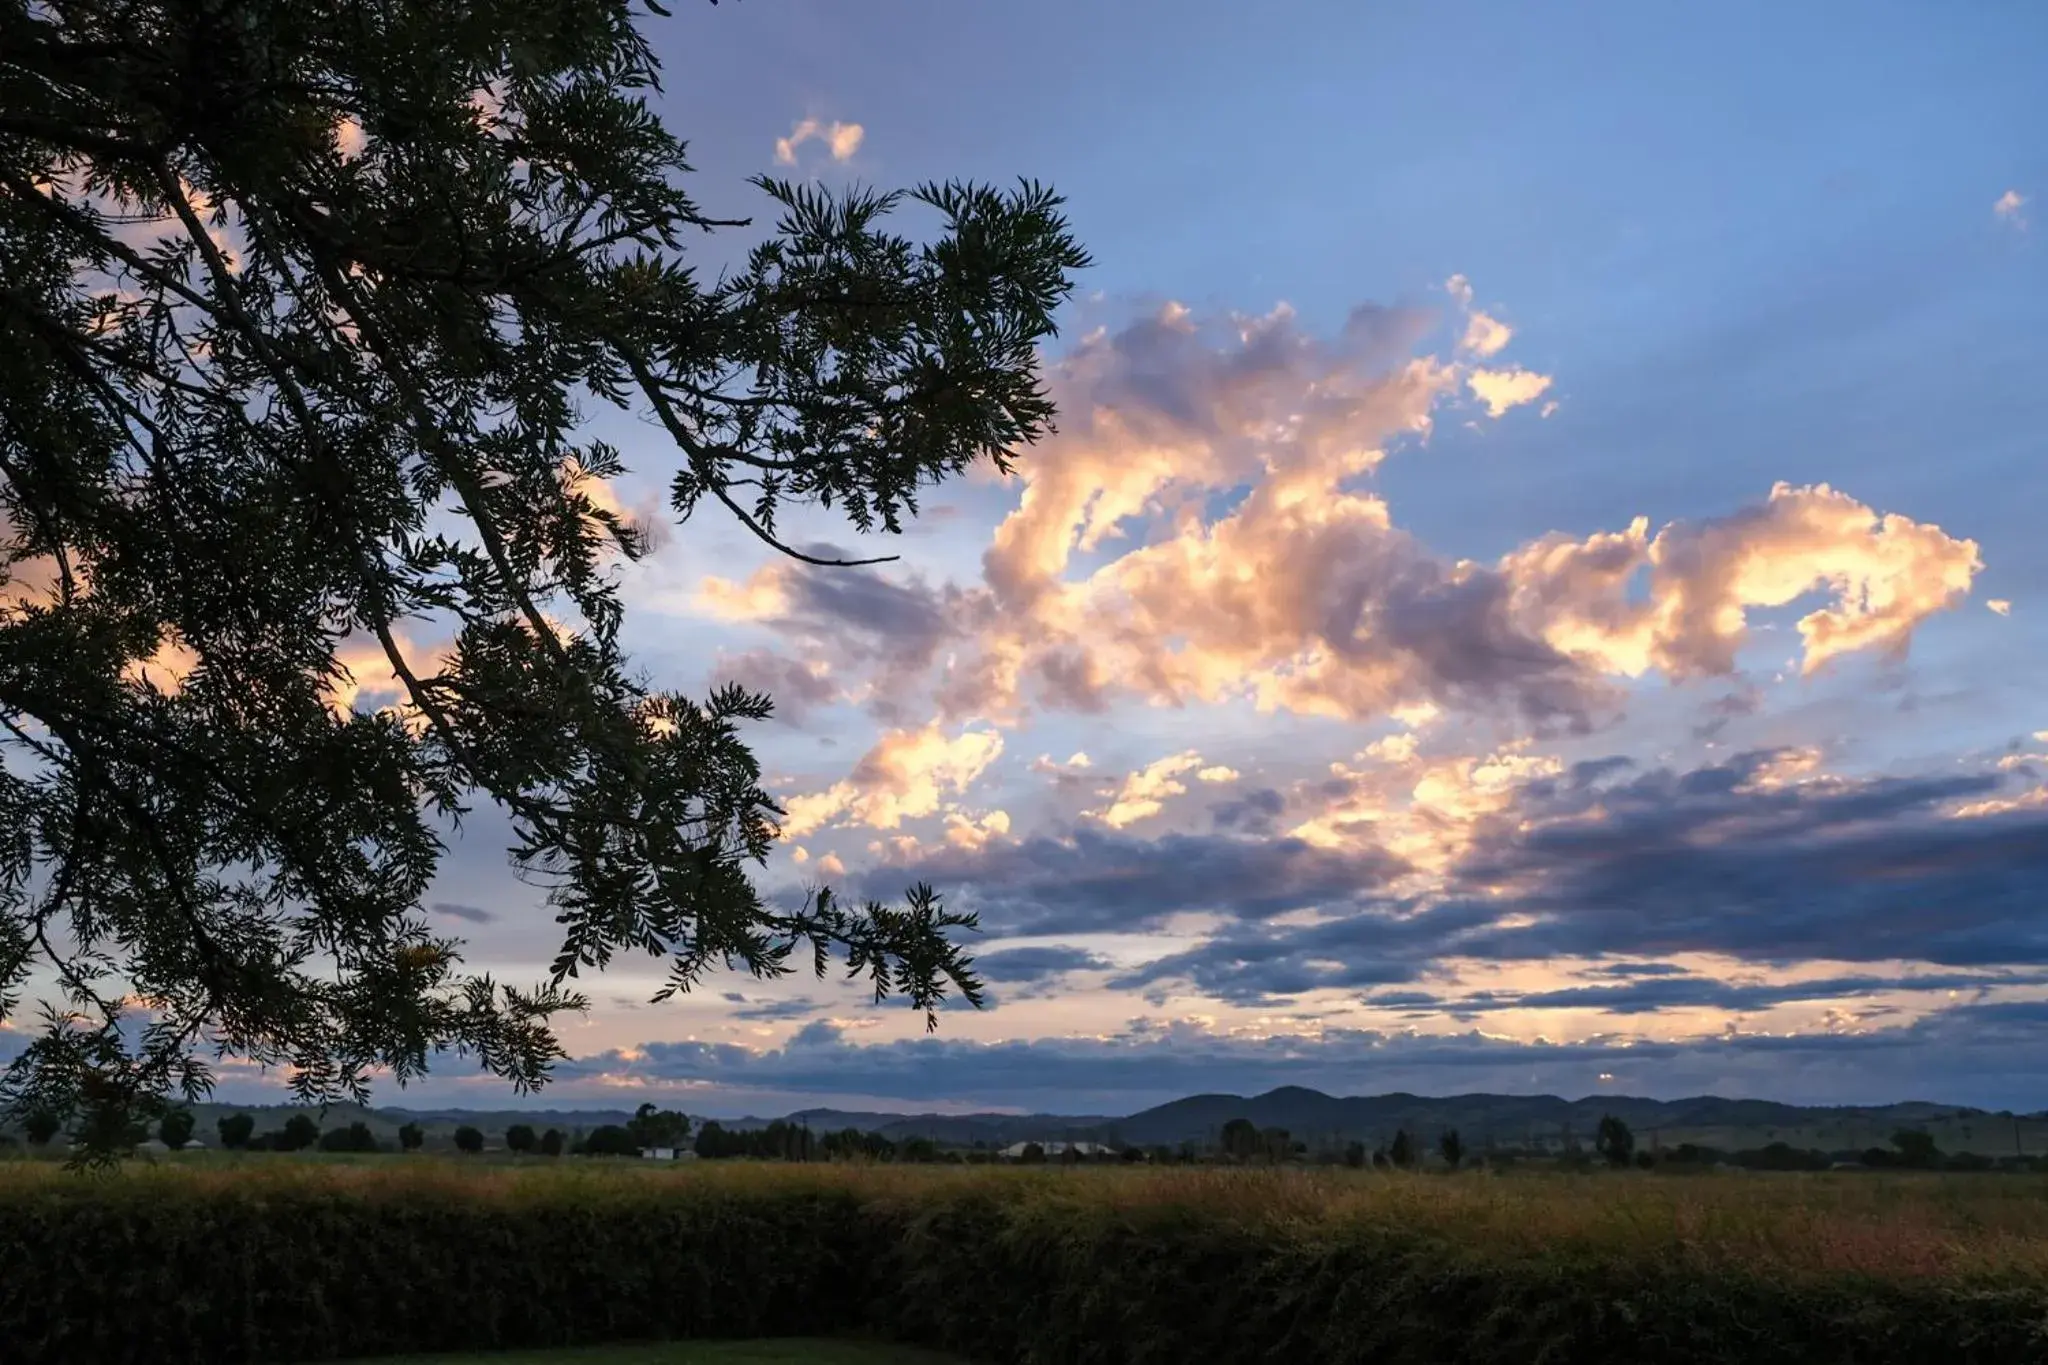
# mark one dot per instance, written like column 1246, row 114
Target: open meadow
column 282, row 1259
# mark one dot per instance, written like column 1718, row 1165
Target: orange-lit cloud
column 907, row 774
column 1500, row 390
column 2009, row 206
column 841, row 139
column 1883, row 575
column 1145, row 792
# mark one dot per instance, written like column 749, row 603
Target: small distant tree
column 1240, row 1139
column 1032, row 1155
column 1276, row 1144
column 1452, row 1148
column 469, row 1139
column 551, row 1142
column 1133, row 1154
column 1614, row 1141
column 1354, row 1155
column 174, row 1130
column 411, row 1137
column 235, row 1129
column 1401, row 1152
column 300, row 1131
column 611, row 1140
column 919, row 1149
column 652, row 1127
column 356, row 1137
column 1916, row 1148
column 1646, row 1160
column 520, row 1137
column 41, row 1125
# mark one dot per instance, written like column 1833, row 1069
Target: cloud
column 1036, row 964
column 796, row 686
column 841, row 139
column 1500, row 390
column 2007, row 208
column 1199, row 531
column 1998, row 606
column 1145, row 792
column 1663, row 992
column 457, row 910
column 1484, row 335
column 1884, row 575
column 1097, row 880
column 907, row 774
column 1515, row 858
column 795, row 1007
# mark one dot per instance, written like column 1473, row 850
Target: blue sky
column 1386, row 786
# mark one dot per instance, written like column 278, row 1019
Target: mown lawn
column 786, row 1352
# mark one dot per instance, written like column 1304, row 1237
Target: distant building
column 668, row 1154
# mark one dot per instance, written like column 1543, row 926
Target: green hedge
column 169, row 1272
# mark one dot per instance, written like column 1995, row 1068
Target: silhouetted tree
column 1401, row 1152
column 1452, row 1148
column 1354, row 1155
column 611, row 1140
column 1032, row 1155
column 469, row 1139
column 234, row 1129
column 300, row 1131
column 551, row 1142
column 174, row 1129
column 1614, row 1141
column 520, row 1138
column 336, row 401
column 655, row 1127
column 1276, row 1144
column 1240, row 1139
column 411, row 1137
column 40, row 1125
column 1916, row 1148
column 356, row 1137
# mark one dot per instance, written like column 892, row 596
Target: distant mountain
column 1509, row 1120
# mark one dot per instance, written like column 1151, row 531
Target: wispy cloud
column 842, row 140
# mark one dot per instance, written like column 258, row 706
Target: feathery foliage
column 306, row 549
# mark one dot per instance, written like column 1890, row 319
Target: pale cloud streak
column 842, row 140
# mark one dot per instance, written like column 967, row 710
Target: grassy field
column 330, row 1259
column 1891, row 1225
column 800, row 1352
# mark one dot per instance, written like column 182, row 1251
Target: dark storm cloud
column 1599, row 862
column 1707, row 861
column 795, row 689
column 1036, row 964
column 1254, row 813
column 1462, row 639
column 1103, row 881
column 457, row 910
column 1665, row 992
column 797, row 1007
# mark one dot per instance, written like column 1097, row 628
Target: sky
column 1533, row 589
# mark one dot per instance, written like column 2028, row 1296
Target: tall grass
column 275, row 1258
column 1892, row 1225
